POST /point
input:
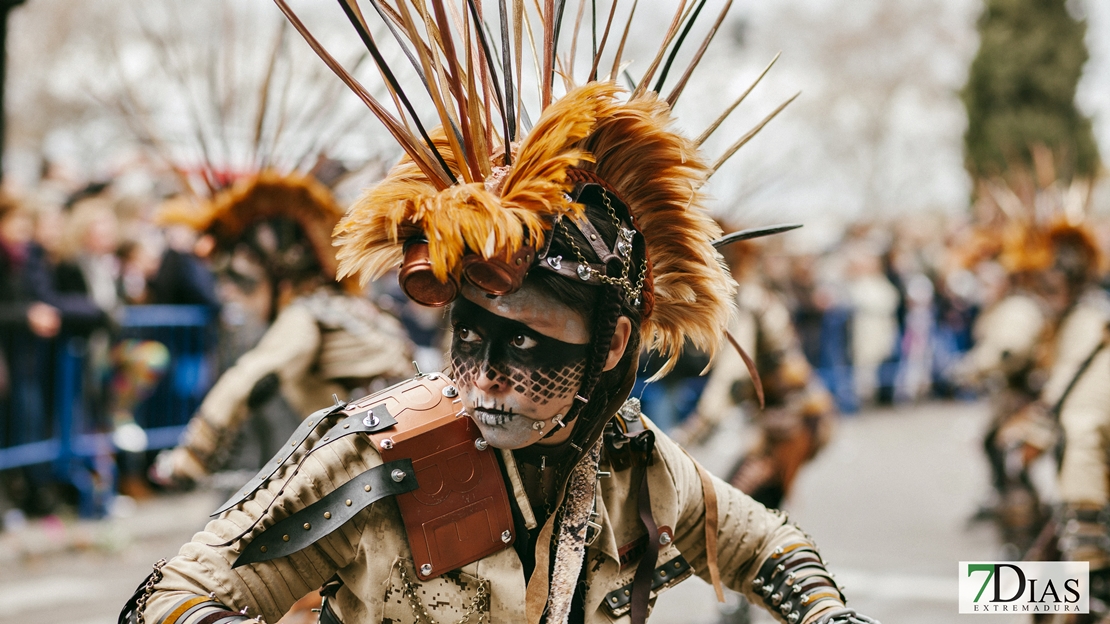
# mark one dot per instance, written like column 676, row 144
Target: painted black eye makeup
column 538, row 367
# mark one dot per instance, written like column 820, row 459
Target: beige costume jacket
column 370, row 551
column 1085, row 411
column 316, row 342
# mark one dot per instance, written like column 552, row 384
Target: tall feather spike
column 678, row 88
column 728, row 111
column 751, row 133
column 677, row 46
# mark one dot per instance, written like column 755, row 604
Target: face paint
column 512, row 375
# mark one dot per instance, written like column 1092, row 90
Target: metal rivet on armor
column 793, row 617
column 779, row 569
column 506, row 535
column 398, row 475
column 584, row 272
column 777, row 553
column 614, row 599
column 766, row 590
column 327, row 515
column 387, row 444
column 518, row 261
column 426, row 569
column 262, row 549
column 776, row 598
column 450, row 392
column 366, row 488
column 556, row 262
column 370, row 420
column 326, row 438
column 348, row 502
column 677, row 564
column 307, row 526
column 757, row 583
column 786, row 606
column 433, row 376
column 665, row 538
column 285, row 538
column 481, row 444
column 593, row 236
column 790, row 578
column 538, row 425
column 626, row 592
column 663, row 573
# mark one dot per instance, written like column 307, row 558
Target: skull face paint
column 517, row 359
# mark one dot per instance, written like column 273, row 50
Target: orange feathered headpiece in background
column 265, row 196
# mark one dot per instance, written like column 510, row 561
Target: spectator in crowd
column 81, row 279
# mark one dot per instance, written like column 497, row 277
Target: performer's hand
column 176, row 469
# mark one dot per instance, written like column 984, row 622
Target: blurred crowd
column 883, row 316
column 879, row 318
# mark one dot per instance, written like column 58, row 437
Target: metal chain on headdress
column 420, row 613
column 624, row 249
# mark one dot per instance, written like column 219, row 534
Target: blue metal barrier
column 48, row 419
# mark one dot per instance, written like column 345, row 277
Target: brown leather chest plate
column 460, row 513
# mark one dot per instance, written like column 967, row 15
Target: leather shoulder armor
column 456, row 509
column 460, row 511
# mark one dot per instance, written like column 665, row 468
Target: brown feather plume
column 471, row 216
column 659, row 175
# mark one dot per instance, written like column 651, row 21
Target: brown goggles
column 496, row 276
column 501, row 276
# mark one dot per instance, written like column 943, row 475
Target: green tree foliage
column 1021, row 90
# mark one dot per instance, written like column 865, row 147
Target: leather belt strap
column 709, row 494
column 327, row 616
column 295, row 441
column 221, row 616
column 321, row 518
column 618, row 599
column 641, row 583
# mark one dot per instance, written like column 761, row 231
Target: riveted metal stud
column 664, row 538
column 262, row 549
column 347, row 502
column 506, row 536
column 450, row 392
column 398, row 475
column 307, row 526
column 481, row 444
column 426, row 569
column 387, row 444
column 366, row 488
column 285, row 538
column 327, row 515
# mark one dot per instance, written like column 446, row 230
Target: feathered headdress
column 477, row 182
column 218, row 114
